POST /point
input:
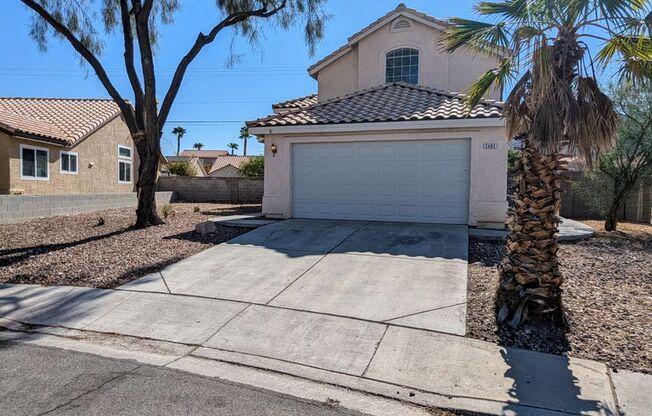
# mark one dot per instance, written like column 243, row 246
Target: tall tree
column 198, row 146
column 555, row 104
column 179, row 132
column 233, row 147
column 78, row 22
column 244, row 136
column 631, row 158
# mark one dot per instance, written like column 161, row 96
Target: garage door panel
column 424, row 181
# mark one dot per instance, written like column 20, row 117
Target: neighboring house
column 385, row 138
column 206, row 157
column 228, row 166
column 64, row 146
column 194, row 162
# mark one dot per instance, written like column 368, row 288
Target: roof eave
column 457, row 123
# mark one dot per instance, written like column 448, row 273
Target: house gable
column 360, row 64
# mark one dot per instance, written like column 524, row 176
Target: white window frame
column 34, row 148
column 124, row 159
column 384, row 60
column 68, row 172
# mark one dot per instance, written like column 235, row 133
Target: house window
column 69, row 165
column 34, row 163
column 402, row 65
column 124, row 164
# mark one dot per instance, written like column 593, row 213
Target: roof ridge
column 55, row 99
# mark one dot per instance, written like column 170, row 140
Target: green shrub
column 512, row 158
column 167, row 210
column 254, row 167
column 181, row 169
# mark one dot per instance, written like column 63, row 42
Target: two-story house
column 387, row 136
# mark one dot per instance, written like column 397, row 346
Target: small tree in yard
column 629, row 161
column 555, row 104
column 78, row 22
column 254, row 167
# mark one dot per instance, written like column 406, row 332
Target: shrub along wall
column 637, row 208
column 211, row 189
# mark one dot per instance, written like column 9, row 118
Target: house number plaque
column 489, row 146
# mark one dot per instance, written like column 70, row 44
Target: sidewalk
column 422, row 367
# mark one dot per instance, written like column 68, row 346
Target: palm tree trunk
column 244, row 151
column 530, row 280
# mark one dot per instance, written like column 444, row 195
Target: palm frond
column 598, row 122
column 478, row 36
column 519, row 10
column 496, row 78
column 635, row 47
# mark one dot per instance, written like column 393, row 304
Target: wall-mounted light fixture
column 273, row 149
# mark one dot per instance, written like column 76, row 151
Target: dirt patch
column 76, row 250
column 607, row 292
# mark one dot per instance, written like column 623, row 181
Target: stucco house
column 206, row 157
column 387, row 136
column 65, row 146
column 227, row 166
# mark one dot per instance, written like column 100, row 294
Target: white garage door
column 413, row 181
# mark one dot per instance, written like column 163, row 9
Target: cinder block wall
column 21, row 208
column 211, row 189
column 637, row 207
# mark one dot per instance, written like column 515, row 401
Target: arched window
column 402, row 65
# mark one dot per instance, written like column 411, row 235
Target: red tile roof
column 224, row 161
column 392, row 102
column 208, row 154
column 57, row 120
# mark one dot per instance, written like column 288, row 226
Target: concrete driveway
column 404, row 274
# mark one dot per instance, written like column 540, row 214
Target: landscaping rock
column 204, row 228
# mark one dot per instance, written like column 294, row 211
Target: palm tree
column 556, row 105
column 179, row 132
column 244, row 135
column 233, row 147
column 198, row 146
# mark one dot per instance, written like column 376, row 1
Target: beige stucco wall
column 488, row 176
column 364, row 66
column 100, row 149
column 339, row 78
column 228, row 171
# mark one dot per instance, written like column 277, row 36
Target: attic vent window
column 401, row 25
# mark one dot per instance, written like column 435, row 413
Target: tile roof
column 208, row 154
column 224, row 161
column 391, row 102
column 300, row 102
column 58, row 120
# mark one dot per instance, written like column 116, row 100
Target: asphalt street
column 38, row 381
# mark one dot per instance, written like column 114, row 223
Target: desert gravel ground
column 75, row 250
column 607, row 292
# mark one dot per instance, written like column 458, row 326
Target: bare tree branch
column 201, row 41
column 130, row 60
column 92, row 60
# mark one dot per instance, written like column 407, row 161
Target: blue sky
column 214, row 100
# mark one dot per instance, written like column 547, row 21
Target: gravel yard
column 75, row 250
column 607, row 292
